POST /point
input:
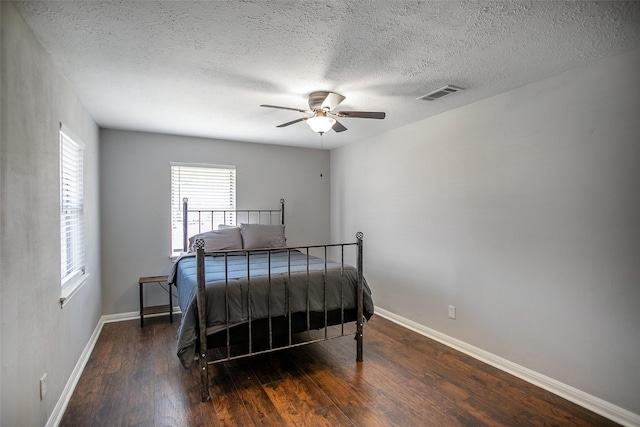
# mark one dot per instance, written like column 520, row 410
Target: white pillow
column 225, row 226
column 259, row 236
column 218, row 240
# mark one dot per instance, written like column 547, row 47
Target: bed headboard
column 209, row 219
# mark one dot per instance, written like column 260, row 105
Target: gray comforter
column 340, row 291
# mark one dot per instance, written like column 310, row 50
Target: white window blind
column 72, row 249
column 208, row 187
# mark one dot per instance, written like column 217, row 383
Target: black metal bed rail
column 204, row 359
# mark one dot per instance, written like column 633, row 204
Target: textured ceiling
column 203, row 68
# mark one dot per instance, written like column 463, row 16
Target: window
column 210, row 187
column 72, row 249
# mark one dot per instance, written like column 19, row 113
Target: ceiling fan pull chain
column 322, row 148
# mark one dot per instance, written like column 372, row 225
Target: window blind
column 209, row 187
column 72, row 248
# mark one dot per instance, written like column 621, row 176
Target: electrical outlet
column 452, row 311
column 43, row 386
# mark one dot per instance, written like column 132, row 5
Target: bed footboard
column 360, row 302
column 201, row 301
column 334, row 317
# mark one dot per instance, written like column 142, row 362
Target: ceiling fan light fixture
column 320, row 124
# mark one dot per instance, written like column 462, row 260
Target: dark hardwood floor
column 133, row 378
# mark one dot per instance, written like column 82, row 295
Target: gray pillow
column 218, row 240
column 258, row 236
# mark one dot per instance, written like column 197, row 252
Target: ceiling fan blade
column 290, row 123
column 287, row 108
column 332, row 100
column 361, row 114
column 337, row 127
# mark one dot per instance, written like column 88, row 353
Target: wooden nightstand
column 156, row 308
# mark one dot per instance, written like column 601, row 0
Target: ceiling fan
column 322, row 119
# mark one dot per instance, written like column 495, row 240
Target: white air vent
column 437, row 94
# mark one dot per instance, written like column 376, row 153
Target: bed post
column 281, row 211
column 185, row 225
column 359, row 300
column 202, row 322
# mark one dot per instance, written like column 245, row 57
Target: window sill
column 71, row 288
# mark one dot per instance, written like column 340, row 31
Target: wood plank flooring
column 133, row 378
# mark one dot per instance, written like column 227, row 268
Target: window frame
column 73, row 270
column 223, row 192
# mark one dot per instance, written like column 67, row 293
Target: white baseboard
column 67, row 392
column 131, row 315
column 63, row 401
column 592, row 403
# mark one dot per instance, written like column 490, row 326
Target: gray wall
column 37, row 335
column 135, row 200
column 522, row 210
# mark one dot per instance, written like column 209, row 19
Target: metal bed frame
column 226, row 214
column 203, row 350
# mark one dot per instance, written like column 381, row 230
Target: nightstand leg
column 170, row 303
column 141, row 306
